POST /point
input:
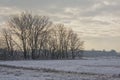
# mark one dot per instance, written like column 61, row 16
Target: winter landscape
column 85, row 69
column 59, row 40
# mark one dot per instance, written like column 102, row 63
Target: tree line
column 30, row 36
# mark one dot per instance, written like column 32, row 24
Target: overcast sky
column 96, row 21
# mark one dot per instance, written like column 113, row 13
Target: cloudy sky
column 96, row 21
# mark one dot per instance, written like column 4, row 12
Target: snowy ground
column 23, row 74
column 89, row 69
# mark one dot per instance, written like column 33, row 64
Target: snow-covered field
column 23, row 74
column 98, row 66
column 101, row 66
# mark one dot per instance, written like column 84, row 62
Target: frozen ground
column 97, row 66
column 7, row 73
column 88, row 69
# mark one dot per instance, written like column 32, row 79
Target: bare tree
column 76, row 45
column 53, row 43
column 38, row 30
column 67, row 42
column 28, row 28
column 36, row 37
column 3, row 48
column 20, row 24
column 64, row 41
column 9, row 41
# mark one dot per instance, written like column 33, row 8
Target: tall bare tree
column 28, row 28
column 37, row 38
column 65, row 41
column 9, row 41
column 76, row 45
column 20, row 24
column 38, row 30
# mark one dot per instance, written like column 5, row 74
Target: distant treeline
column 96, row 53
column 28, row 36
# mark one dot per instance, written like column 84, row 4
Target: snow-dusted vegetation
column 32, row 47
column 101, row 66
column 86, row 67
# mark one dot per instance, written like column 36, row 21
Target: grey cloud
column 90, row 18
column 55, row 9
column 45, row 4
column 95, row 22
column 111, row 8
